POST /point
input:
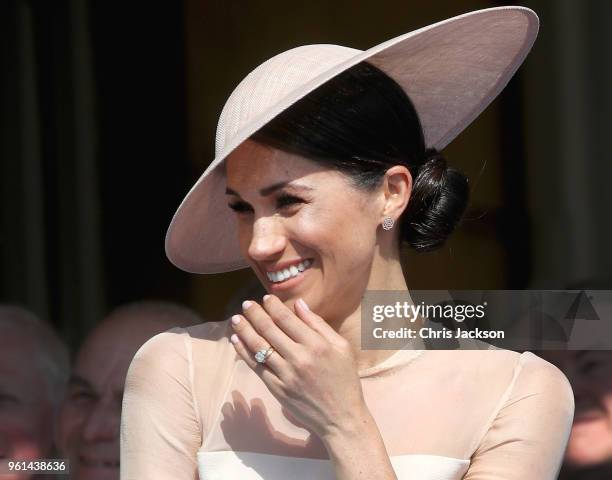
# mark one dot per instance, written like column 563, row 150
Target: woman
column 329, row 159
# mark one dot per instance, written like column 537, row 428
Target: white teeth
column 289, row 272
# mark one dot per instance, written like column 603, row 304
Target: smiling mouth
column 98, row 463
column 290, row 272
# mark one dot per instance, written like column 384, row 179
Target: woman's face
column 303, row 229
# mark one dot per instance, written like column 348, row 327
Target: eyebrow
column 76, row 381
column 264, row 192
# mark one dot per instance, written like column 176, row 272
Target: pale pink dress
column 193, row 409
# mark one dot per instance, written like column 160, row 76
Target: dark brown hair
column 362, row 123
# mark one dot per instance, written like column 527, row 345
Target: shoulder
column 540, row 377
column 527, row 365
column 528, row 372
column 532, row 422
column 167, row 350
column 209, row 331
column 535, row 396
column 516, row 377
column 536, row 388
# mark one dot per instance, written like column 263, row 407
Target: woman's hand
column 312, row 371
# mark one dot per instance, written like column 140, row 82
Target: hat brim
column 451, row 70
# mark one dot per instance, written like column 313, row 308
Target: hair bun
column 439, row 197
column 434, row 165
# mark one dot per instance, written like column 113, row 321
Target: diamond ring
column 262, row 355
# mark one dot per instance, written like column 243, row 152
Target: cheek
column 357, row 233
column 70, row 422
column 315, row 226
column 339, row 233
column 245, row 232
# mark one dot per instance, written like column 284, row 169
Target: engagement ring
column 262, row 355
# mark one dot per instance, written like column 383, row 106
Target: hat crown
column 271, row 83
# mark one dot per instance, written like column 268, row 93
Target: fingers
column 289, row 322
column 286, row 329
column 247, row 342
column 266, row 327
column 316, row 323
column 268, row 372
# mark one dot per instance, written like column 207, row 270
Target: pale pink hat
column 451, row 71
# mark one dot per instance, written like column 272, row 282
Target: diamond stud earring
column 388, row 223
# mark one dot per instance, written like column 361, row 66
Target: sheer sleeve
column 528, row 434
column 160, row 430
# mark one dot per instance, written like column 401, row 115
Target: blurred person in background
column 589, row 450
column 88, row 433
column 34, row 368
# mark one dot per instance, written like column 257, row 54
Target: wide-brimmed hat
column 451, row 71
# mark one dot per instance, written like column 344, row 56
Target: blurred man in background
column 34, row 368
column 589, row 450
column 90, row 417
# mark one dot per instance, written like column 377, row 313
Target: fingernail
column 265, row 297
column 246, row 304
column 236, row 319
column 234, row 338
column 303, row 304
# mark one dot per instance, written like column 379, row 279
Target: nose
column 102, row 424
column 268, row 239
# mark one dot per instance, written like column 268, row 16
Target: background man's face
column 90, row 417
column 26, row 411
column 91, row 413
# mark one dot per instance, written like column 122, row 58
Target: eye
column 282, row 201
column 590, row 366
column 82, row 396
column 287, row 200
column 240, row 207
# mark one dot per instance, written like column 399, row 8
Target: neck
column 386, row 274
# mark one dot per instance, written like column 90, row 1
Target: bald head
column 90, row 418
column 129, row 326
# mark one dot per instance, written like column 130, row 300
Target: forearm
column 357, row 451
